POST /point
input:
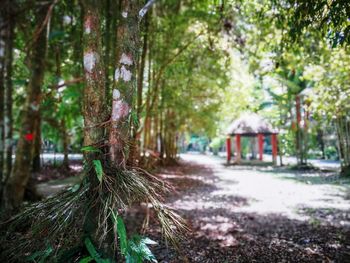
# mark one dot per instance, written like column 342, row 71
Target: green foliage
column 40, row 256
column 90, row 149
column 121, row 231
column 216, row 144
column 135, row 250
column 98, row 169
column 86, row 259
column 93, row 252
column 138, row 250
column 331, row 153
column 330, row 17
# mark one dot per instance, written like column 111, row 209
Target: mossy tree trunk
column 95, row 114
column 37, row 147
column 8, row 119
column 125, row 78
column 2, row 88
column 95, row 106
column 343, row 132
column 94, row 109
column 14, row 190
column 135, row 150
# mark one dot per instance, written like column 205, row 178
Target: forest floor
column 245, row 213
column 254, row 213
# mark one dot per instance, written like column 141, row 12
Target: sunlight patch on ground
column 267, row 191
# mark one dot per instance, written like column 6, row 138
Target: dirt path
column 257, row 214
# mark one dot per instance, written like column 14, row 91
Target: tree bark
column 94, row 109
column 125, row 78
column 95, row 114
column 135, row 150
column 37, row 146
column 14, row 191
column 107, row 44
column 2, row 88
column 65, row 144
column 8, row 120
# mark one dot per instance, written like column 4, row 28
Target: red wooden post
column 238, row 148
column 261, row 146
column 274, row 147
column 228, row 149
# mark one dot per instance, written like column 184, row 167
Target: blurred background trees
column 201, row 64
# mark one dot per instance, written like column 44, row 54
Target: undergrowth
column 54, row 230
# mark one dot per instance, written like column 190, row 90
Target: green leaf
column 133, row 258
column 121, row 230
column 19, row 82
column 146, row 253
column 90, row 148
column 86, row 259
column 139, row 251
column 149, row 241
column 74, row 188
column 93, row 253
column 98, row 169
column 40, row 256
column 56, row 35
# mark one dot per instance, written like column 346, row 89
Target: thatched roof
column 251, row 124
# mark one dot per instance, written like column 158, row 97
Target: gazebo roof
column 251, row 124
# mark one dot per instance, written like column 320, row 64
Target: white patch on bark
column 116, row 74
column 90, row 60
column 126, row 59
column 67, row 20
column 116, row 94
column 125, row 74
column 87, row 30
column 6, row 121
column 120, row 109
column 2, row 53
column 125, row 14
column 34, row 107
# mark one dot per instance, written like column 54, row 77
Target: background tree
column 25, row 147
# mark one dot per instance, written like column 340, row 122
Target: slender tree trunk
column 37, row 146
column 94, row 112
column 321, row 143
column 344, row 142
column 8, row 123
column 162, row 126
column 65, row 144
column 2, row 88
column 107, row 44
column 135, row 150
column 125, row 78
column 14, row 191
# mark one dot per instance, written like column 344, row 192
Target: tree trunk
column 14, row 191
column 135, row 150
column 65, row 144
column 8, row 123
column 2, row 88
column 342, row 127
column 320, row 141
column 125, row 78
column 94, row 112
column 37, row 146
column 94, row 109
column 107, row 44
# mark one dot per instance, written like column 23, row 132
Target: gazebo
column 251, row 125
